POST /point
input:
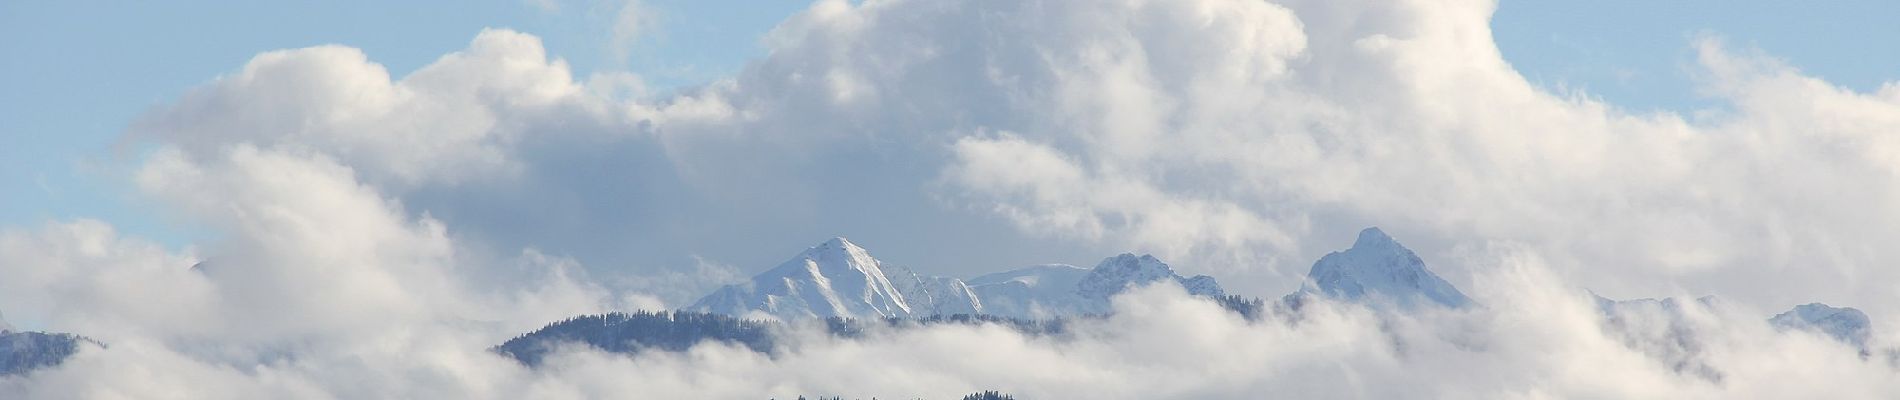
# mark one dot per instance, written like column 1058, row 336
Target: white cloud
column 375, row 234
column 1055, row 196
column 1541, row 338
column 453, row 120
column 1223, row 138
column 66, row 274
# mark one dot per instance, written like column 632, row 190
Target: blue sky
column 1636, row 53
column 78, row 72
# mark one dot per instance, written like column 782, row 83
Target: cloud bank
column 374, row 234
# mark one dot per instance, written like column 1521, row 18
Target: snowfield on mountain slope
column 838, row 278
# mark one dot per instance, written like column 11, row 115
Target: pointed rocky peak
column 1372, row 237
column 1116, row 273
column 841, row 250
column 835, row 278
column 830, row 260
column 1845, row 324
column 838, row 243
column 1379, row 270
column 4, row 327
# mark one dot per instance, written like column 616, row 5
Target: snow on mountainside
column 935, row 295
column 1060, row 289
column 1118, row 273
column 833, row 279
column 1037, row 291
column 1845, row 324
column 1377, row 270
column 1056, row 277
column 840, row 279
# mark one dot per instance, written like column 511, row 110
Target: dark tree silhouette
column 629, row 333
column 988, row 395
column 21, row 352
column 1249, row 308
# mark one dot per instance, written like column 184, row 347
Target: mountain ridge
column 837, row 278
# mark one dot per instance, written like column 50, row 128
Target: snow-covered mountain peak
column 838, row 278
column 838, row 242
column 1372, row 237
column 1846, row 324
column 1128, row 264
column 841, row 250
column 1117, row 273
column 1378, row 269
column 834, row 278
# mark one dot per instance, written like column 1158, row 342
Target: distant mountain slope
column 1061, row 289
column 1378, row 271
column 21, row 352
column 1042, row 290
column 1845, row 324
column 853, row 293
column 631, row 333
column 1116, row 274
column 935, row 295
column 1661, row 328
column 838, row 279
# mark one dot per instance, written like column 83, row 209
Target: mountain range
column 1845, row 324
column 841, row 282
column 838, row 278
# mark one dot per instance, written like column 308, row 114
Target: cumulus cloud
column 453, row 120
column 1229, row 135
column 1053, row 195
column 1279, row 122
column 374, row 234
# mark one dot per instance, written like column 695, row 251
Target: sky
column 266, row 195
column 74, row 98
